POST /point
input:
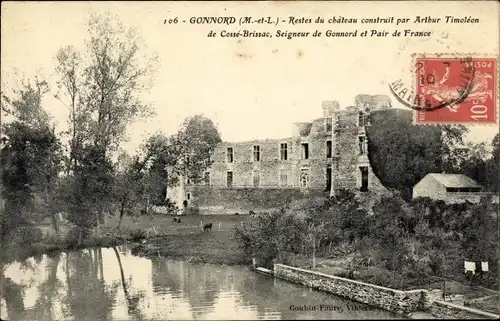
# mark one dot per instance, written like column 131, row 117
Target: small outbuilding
column 451, row 188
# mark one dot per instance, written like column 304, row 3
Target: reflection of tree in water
column 13, row 293
column 200, row 284
column 163, row 279
column 47, row 291
column 259, row 291
column 13, row 296
column 88, row 297
column 132, row 298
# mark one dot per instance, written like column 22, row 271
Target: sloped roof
column 455, row 180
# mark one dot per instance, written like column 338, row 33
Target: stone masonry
column 374, row 295
column 326, row 154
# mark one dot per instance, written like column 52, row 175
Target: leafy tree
column 92, row 190
column 258, row 238
column 401, row 153
column 129, row 181
column 163, row 161
column 102, row 84
column 145, row 176
column 32, row 158
column 25, row 104
column 101, row 87
column 195, row 142
column 454, row 149
column 493, row 166
column 393, row 225
column 481, row 233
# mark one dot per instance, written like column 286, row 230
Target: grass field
column 187, row 239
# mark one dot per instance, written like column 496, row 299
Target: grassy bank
column 184, row 241
column 187, row 240
column 19, row 252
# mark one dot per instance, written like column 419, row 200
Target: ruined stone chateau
column 321, row 156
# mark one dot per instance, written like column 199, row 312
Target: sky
column 253, row 88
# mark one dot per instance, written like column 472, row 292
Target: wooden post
column 219, row 225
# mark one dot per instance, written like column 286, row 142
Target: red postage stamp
column 465, row 90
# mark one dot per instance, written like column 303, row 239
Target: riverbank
column 187, row 240
column 184, row 241
column 12, row 252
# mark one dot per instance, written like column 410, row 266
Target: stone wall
column 345, row 161
column 346, row 169
column 447, row 310
column 377, row 296
column 212, row 200
column 244, row 167
column 270, row 167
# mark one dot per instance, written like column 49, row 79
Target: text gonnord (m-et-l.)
column 291, row 27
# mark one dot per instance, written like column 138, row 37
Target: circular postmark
column 439, row 82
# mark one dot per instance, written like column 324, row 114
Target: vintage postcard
column 247, row 160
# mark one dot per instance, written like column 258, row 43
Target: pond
column 113, row 284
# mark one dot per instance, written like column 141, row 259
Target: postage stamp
column 452, row 90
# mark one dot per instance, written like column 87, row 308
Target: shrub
column 192, row 211
column 137, row 234
column 257, row 238
column 27, row 235
column 436, row 261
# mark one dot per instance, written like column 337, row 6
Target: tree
column 145, row 176
column 25, row 104
column 101, row 87
column 91, row 190
column 474, row 162
column 103, row 84
column 129, row 184
column 71, row 86
column 32, row 159
column 195, row 141
column 454, row 149
column 493, row 166
column 393, row 225
column 163, row 157
column 401, row 153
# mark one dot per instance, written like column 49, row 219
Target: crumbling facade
column 324, row 155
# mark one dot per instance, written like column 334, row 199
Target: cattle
column 143, row 212
column 236, row 214
column 207, row 227
column 251, row 213
column 177, row 220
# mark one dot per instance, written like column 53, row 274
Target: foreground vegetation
column 402, row 245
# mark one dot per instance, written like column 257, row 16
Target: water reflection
column 112, row 284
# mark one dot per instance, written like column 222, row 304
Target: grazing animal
column 207, row 227
column 251, row 213
column 236, row 214
column 177, row 220
column 143, row 212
